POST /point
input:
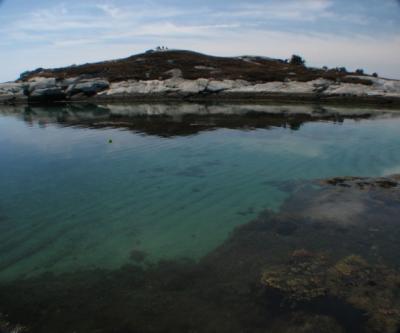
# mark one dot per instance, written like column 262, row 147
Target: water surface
column 85, row 188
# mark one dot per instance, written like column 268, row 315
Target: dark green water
column 96, row 189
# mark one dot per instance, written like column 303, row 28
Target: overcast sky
column 51, row 33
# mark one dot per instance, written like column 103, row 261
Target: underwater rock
column 6, row 327
column 302, row 322
column 137, row 255
column 303, row 279
column 347, row 201
column 373, row 289
column 365, row 183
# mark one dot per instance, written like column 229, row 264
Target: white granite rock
column 41, row 83
column 80, row 88
column 10, row 92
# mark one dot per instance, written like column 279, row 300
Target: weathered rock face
column 87, row 87
column 12, row 92
column 50, row 89
column 81, row 88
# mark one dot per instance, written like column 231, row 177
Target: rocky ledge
column 188, row 75
column 39, row 89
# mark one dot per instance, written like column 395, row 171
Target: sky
column 54, row 33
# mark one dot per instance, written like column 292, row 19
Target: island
column 163, row 75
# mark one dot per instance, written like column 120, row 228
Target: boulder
column 41, row 83
column 64, row 84
column 12, row 92
column 48, row 92
column 192, row 87
column 218, row 86
column 88, row 87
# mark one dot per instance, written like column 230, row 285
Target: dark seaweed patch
column 137, row 255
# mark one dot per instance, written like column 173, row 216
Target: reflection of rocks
column 339, row 207
column 187, row 118
column 373, row 289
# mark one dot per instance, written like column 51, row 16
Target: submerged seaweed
column 7, row 327
column 282, row 272
column 327, row 261
column 370, row 288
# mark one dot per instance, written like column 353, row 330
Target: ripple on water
column 73, row 200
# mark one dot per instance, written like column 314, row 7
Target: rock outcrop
column 190, row 75
column 40, row 89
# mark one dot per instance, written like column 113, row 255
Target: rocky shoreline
column 185, row 75
column 50, row 89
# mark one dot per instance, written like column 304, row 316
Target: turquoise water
column 71, row 199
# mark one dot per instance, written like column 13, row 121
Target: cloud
column 110, row 10
column 75, row 32
column 304, row 10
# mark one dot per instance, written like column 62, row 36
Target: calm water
column 101, row 188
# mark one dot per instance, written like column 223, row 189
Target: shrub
column 375, row 75
column 297, row 60
column 360, row 71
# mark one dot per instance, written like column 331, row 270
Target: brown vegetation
column 155, row 65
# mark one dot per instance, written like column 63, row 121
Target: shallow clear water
column 194, row 218
column 72, row 199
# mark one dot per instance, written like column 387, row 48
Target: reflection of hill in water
column 188, row 118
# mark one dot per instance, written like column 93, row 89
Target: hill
column 177, row 75
column 157, row 65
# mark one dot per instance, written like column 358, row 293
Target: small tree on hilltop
column 297, row 60
column 360, row 71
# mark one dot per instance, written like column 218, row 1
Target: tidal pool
column 98, row 196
